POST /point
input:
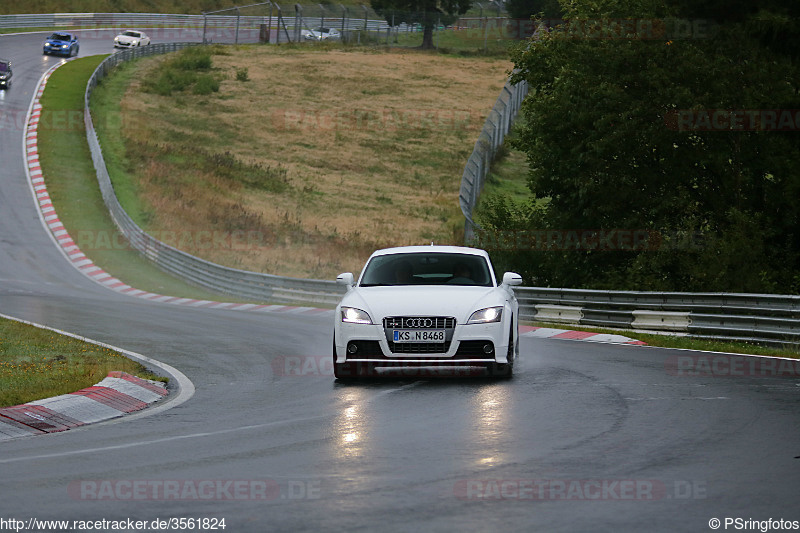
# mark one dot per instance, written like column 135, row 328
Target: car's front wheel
column 505, row 370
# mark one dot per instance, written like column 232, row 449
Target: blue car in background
column 61, row 43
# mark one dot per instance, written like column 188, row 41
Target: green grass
column 36, row 363
column 508, row 176
column 70, row 178
column 685, row 342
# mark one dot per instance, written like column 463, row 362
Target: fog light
column 488, row 348
column 352, row 348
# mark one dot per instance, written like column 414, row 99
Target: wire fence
column 491, row 138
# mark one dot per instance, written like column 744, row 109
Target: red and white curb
column 78, row 259
column 566, row 334
column 117, row 395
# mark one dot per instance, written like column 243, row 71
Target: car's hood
column 56, row 41
column 456, row 301
column 127, row 38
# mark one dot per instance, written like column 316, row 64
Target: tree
column 608, row 150
column 428, row 13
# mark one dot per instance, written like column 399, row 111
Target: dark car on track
column 61, row 43
column 5, row 73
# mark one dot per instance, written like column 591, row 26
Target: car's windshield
column 433, row 268
column 60, row 37
column 131, row 34
column 3, row 66
column 322, row 30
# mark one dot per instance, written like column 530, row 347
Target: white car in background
column 321, row 33
column 131, row 39
column 426, row 306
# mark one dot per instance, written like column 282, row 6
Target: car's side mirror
column 512, row 278
column 345, row 279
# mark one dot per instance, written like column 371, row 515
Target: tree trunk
column 427, row 37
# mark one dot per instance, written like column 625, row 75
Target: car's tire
column 505, row 370
column 500, row 370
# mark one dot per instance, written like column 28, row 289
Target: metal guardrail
column 240, row 283
column 762, row 318
column 494, row 131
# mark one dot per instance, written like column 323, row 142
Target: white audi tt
column 426, row 306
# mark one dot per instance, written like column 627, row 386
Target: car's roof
column 432, row 248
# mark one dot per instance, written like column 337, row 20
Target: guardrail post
column 366, row 28
column 298, row 21
column 238, row 16
column 344, row 18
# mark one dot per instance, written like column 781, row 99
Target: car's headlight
column 485, row 316
column 355, row 316
column 63, row 46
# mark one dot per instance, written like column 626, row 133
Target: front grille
column 419, row 322
column 419, row 347
column 446, row 323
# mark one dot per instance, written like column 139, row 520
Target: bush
column 184, row 71
column 242, row 74
column 206, row 85
column 192, row 58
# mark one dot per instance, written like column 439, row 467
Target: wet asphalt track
column 586, row 437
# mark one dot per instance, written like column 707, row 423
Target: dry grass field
column 304, row 161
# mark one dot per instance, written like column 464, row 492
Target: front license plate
column 418, row 335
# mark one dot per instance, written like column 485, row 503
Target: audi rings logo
column 419, row 323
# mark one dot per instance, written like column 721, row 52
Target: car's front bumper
column 57, row 50
column 470, row 344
